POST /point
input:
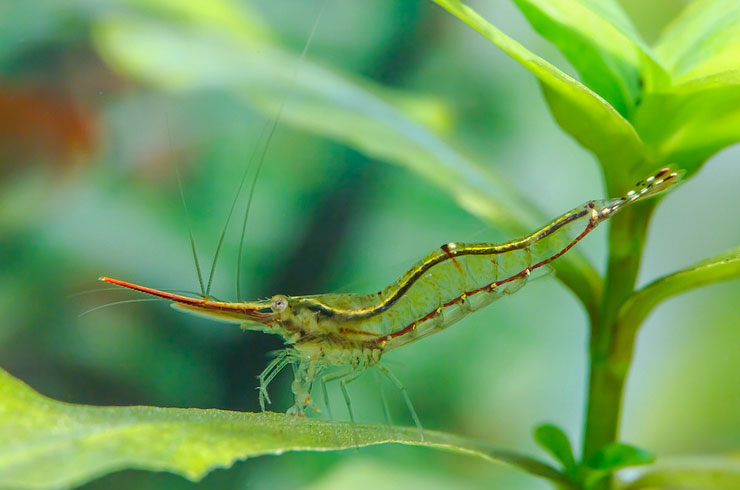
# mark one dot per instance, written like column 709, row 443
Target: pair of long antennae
column 269, row 131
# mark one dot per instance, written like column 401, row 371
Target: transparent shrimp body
column 337, row 336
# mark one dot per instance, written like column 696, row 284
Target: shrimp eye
column 278, row 303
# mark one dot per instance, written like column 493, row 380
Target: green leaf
column 50, row 444
column 618, row 455
column 174, row 57
column 688, row 123
column 555, row 441
column 225, row 16
column 703, row 40
column 582, row 113
column 719, row 268
column 609, row 459
column 354, row 112
column 688, row 473
column 599, row 40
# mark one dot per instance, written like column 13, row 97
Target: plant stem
column 610, row 360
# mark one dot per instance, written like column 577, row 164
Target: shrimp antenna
column 231, row 212
column 261, row 161
column 203, row 291
column 116, row 303
column 253, row 183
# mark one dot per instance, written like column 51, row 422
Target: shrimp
column 338, row 336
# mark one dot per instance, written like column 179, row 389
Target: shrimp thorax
column 314, row 363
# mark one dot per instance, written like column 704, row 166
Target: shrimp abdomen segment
column 475, row 275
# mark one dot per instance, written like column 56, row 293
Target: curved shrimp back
column 338, row 336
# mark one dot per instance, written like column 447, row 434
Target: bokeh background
column 88, row 151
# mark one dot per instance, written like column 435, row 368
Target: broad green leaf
column 582, row 113
column 720, row 268
column 703, row 40
column 688, row 123
column 356, row 113
column 50, row 444
column 599, row 40
column 687, row 473
column 555, row 441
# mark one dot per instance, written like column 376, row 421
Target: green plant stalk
column 610, row 360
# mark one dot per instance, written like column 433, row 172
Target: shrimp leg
column 406, row 397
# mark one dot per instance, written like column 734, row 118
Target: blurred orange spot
column 37, row 126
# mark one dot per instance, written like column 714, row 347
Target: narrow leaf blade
column 703, row 40
column 599, row 40
column 176, row 58
column 582, row 113
column 722, row 267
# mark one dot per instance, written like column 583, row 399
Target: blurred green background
column 89, row 143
